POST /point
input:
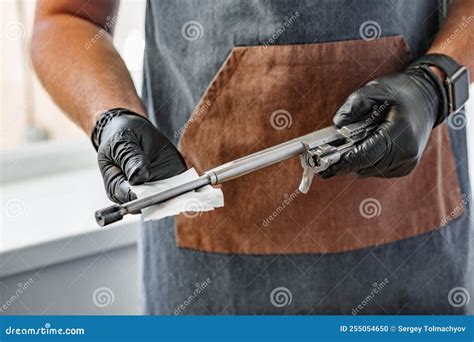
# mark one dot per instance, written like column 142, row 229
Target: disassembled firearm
column 317, row 150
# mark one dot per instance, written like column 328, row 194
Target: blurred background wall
column 53, row 257
column 27, row 113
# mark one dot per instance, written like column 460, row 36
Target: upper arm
column 99, row 12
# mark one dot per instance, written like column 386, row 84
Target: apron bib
column 265, row 95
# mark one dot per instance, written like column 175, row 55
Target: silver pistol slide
column 317, row 150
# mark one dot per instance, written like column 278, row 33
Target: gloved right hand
column 132, row 151
column 410, row 105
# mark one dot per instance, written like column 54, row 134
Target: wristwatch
column 455, row 85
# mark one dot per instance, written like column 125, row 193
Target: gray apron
column 187, row 42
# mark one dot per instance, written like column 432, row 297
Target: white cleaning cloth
column 204, row 199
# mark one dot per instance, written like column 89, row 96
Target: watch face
column 459, row 92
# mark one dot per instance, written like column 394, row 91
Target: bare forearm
column 80, row 68
column 456, row 38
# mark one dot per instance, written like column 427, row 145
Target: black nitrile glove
column 406, row 106
column 132, row 150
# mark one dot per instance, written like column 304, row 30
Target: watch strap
column 448, row 65
column 455, row 84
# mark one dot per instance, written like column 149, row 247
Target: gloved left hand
column 406, row 106
column 131, row 150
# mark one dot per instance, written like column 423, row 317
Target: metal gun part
column 318, row 150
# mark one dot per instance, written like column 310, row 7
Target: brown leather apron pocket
column 266, row 95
